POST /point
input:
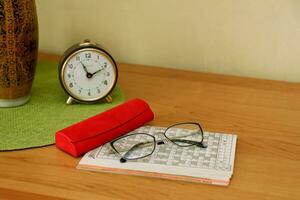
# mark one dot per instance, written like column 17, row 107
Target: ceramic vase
column 18, row 50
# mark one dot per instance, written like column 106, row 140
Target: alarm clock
column 87, row 73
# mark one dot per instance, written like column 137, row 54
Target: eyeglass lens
column 135, row 146
column 183, row 134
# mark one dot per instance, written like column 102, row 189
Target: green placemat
column 35, row 123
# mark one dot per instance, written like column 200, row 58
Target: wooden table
column 264, row 114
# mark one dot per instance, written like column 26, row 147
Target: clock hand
column 88, row 74
column 98, row 71
column 84, row 67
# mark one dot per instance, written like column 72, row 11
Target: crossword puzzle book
column 211, row 165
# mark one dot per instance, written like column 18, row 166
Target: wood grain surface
column 264, row 114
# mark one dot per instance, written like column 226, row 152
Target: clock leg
column 69, row 101
column 108, row 99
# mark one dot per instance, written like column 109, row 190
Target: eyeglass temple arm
column 162, row 140
column 198, row 144
column 123, row 159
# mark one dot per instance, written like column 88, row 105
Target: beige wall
column 256, row 38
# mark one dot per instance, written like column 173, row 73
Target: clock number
column 107, row 74
column 71, row 85
column 105, row 65
column 89, row 93
column 98, row 90
column 88, row 55
column 105, row 82
column 79, row 91
column 71, row 66
column 69, row 75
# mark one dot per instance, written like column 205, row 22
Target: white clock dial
column 89, row 75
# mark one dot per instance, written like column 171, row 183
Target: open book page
column 213, row 164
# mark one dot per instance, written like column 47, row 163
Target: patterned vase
column 18, row 50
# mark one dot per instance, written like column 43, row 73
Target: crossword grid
column 216, row 156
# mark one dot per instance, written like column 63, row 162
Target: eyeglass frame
column 192, row 143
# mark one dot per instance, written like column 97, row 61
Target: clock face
column 89, row 74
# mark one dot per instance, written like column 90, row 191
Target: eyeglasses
column 140, row 145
